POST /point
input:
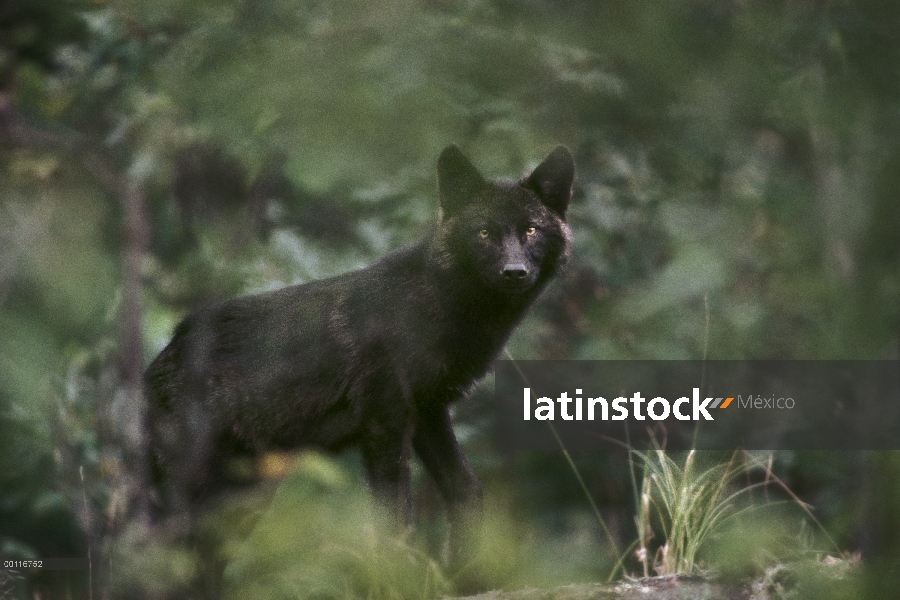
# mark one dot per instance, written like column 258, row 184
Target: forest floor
column 781, row 582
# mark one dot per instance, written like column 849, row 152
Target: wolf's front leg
column 435, row 443
column 386, row 451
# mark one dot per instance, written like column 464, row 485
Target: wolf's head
column 508, row 236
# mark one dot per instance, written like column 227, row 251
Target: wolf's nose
column 514, row 271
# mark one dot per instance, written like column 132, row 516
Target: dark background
column 736, row 198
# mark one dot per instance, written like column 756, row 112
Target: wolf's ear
column 459, row 182
column 552, row 179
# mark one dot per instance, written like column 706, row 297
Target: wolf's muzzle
column 514, row 271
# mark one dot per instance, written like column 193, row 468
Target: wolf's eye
column 484, row 233
column 531, row 231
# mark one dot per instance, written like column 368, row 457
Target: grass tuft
column 688, row 503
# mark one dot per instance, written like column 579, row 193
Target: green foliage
column 321, row 538
column 140, row 565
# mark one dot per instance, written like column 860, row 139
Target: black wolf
column 369, row 359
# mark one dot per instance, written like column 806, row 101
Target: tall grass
column 322, row 537
column 688, row 503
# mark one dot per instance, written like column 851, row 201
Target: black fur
column 370, row 359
